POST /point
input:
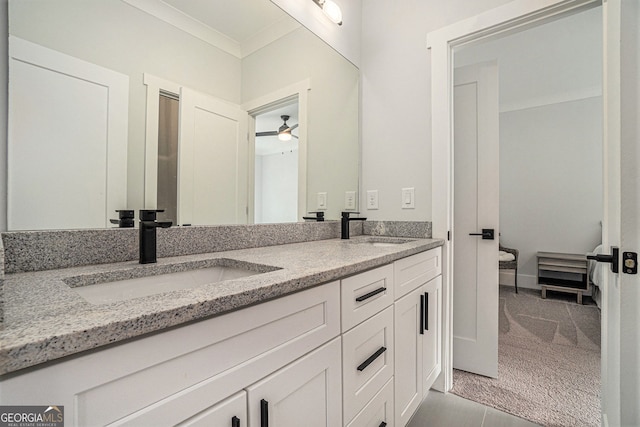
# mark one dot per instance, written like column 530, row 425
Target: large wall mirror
column 136, row 104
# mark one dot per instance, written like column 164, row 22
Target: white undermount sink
column 109, row 291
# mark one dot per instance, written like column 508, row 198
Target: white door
column 212, row 161
column 476, row 207
column 621, row 292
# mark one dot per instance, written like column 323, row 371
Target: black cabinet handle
column 235, row 422
column 426, row 311
column 264, row 413
column 421, row 314
column 383, row 424
column 371, row 358
column 370, row 294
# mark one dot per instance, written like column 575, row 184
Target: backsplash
column 415, row 229
column 23, row 251
column 48, row 250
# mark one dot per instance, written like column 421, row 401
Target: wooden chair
column 510, row 265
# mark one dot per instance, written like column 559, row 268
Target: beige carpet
column 548, row 361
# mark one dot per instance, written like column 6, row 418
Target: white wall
column 551, row 180
column 396, row 99
column 550, row 136
column 276, row 187
column 332, row 143
column 122, row 38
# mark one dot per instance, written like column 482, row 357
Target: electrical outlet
column 322, row 200
column 408, row 198
column 350, row 200
column 372, row 199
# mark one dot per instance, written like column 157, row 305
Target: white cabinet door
column 306, row 392
column 231, row 412
column 409, row 332
column 432, row 332
column 379, row 411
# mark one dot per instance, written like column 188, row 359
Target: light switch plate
column 322, row 200
column 372, row 199
column 350, row 200
column 408, row 198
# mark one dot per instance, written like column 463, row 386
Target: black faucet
column 125, row 219
column 148, row 225
column 319, row 216
column 345, row 223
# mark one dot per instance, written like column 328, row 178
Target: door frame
column 299, row 90
column 495, row 23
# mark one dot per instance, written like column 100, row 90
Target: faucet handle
column 149, row 214
column 125, row 218
column 319, row 216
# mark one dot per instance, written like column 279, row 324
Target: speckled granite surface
column 46, row 319
column 416, row 229
column 47, row 250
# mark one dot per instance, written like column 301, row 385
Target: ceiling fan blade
column 294, row 126
column 270, row 133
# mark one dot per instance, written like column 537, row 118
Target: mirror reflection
column 131, row 104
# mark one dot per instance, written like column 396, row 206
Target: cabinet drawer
column 416, row 270
column 379, row 410
column 367, row 361
column 366, row 294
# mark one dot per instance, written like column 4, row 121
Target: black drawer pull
column 371, row 358
column 383, row 424
column 264, row 413
column 421, row 314
column 370, row 294
column 426, row 311
column 235, row 422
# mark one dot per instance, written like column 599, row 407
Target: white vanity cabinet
column 359, row 352
column 417, row 330
column 188, row 372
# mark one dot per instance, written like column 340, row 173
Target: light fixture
column 284, row 131
column 331, row 9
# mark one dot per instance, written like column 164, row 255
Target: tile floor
column 449, row 410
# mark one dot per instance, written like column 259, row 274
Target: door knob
column 612, row 259
column 487, row 234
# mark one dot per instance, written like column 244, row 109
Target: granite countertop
column 46, row 319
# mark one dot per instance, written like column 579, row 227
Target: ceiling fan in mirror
column 283, row 133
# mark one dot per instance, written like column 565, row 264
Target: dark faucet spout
column 148, row 240
column 345, row 223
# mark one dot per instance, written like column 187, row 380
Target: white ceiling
column 270, row 121
column 238, row 19
column 554, row 62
